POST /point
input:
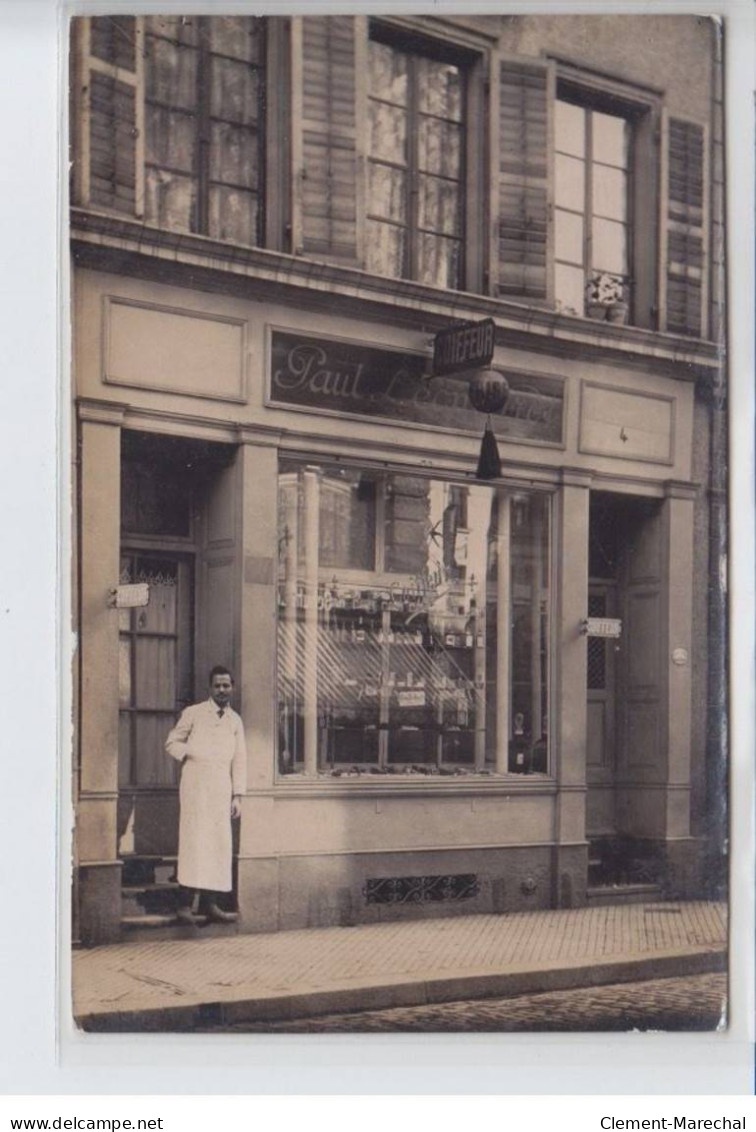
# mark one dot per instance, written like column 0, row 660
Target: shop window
column 592, row 206
column 416, row 150
column 204, row 98
column 413, row 625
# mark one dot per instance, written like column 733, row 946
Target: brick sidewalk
column 184, row 984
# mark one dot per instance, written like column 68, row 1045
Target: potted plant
column 605, row 297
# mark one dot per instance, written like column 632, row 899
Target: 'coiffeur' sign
column 323, row 375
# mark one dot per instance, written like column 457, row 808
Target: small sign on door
column 601, row 627
column 131, row 596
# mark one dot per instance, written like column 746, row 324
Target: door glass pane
column 154, row 767
column 439, row 261
column 124, row 749
column 388, row 132
column 240, row 36
column 439, row 147
column 170, row 138
column 170, row 73
column 609, row 192
column 235, row 91
column 181, row 29
column 438, row 205
column 387, row 192
column 439, row 88
column 568, row 236
column 569, row 129
column 569, row 187
column 386, row 249
column 610, row 139
column 156, row 673
column 233, row 215
column 387, row 73
column 170, row 200
column 609, row 246
column 569, row 288
column 233, row 155
column 124, row 672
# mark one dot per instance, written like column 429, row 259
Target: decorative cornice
column 677, row 489
column 118, row 244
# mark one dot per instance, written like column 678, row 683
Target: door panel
column 601, row 693
column 155, row 683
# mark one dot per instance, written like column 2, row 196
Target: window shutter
column 327, row 152
column 109, row 155
column 525, row 98
column 683, row 289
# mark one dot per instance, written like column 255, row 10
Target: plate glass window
column 413, row 631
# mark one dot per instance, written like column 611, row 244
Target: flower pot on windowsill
column 596, row 310
column 618, row 313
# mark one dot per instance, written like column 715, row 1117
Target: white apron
column 213, row 770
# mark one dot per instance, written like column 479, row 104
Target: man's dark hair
column 219, row 670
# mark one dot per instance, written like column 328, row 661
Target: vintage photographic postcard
column 399, row 394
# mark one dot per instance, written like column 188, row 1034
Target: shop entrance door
column 601, row 722
column 155, row 655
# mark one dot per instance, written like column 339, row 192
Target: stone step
column 148, row 928
column 144, row 869
column 599, row 895
column 150, row 899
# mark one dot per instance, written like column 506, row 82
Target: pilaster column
column 569, row 730
column 96, row 821
column 257, row 883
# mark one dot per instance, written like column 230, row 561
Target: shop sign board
column 465, row 347
column 347, row 378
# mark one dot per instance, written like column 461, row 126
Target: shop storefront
column 458, row 695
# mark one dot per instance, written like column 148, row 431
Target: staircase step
column 149, row 899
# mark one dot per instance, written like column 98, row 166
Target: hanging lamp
column 488, row 391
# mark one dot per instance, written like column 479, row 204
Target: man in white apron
column 208, row 741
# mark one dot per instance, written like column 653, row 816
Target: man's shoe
column 219, row 916
column 186, row 916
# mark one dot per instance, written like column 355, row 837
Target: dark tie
column 220, row 713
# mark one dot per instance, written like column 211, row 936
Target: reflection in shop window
column 413, row 625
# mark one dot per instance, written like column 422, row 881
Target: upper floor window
column 415, row 206
column 591, row 206
column 204, row 99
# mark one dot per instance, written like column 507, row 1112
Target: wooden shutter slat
column 684, row 263
column 110, row 85
column 523, row 166
column 329, row 132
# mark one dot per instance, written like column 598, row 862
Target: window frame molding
column 643, row 108
column 472, row 54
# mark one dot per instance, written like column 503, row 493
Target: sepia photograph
column 398, row 522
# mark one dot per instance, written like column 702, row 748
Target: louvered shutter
column 327, row 178
column 684, row 284
column 525, row 97
column 109, row 90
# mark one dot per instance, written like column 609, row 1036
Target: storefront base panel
column 326, row 891
column 99, row 894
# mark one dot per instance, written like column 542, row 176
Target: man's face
column 221, row 687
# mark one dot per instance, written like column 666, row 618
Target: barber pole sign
column 467, row 346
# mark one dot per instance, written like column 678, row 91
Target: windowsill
column 108, row 242
column 368, row 785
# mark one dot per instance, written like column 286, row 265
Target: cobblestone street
column 691, row 1003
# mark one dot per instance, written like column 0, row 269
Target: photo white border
column 40, row 1052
